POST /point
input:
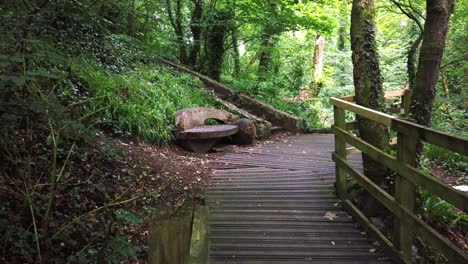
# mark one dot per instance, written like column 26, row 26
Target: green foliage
column 141, row 101
column 437, row 210
column 450, row 115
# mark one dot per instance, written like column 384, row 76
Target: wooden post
column 170, row 236
column 200, row 241
column 406, row 101
column 340, row 150
column 403, row 235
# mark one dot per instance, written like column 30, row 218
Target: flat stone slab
column 208, row 132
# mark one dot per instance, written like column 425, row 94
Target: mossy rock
column 247, row 132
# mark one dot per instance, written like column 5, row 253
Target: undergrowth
column 450, row 115
column 281, row 91
column 142, row 101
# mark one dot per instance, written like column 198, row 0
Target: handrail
column 407, row 224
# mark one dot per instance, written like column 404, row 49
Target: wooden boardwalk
column 275, row 204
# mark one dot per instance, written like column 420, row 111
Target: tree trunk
column 176, row 23
column 425, row 81
column 317, row 67
column 196, row 28
column 131, row 19
column 267, row 46
column 341, row 36
column 235, row 44
column 411, row 64
column 215, row 44
column 268, row 43
column 368, row 90
column 343, row 23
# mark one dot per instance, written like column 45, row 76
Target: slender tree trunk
column 432, row 48
column 131, row 19
column 343, row 23
column 341, row 36
column 411, row 64
column 176, row 23
column 267, row 46
column 368, row 90
column 317, row 67
column 196, row 28
column 235, row 44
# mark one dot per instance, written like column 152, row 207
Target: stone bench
column 193, row 134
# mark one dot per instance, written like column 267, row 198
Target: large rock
column 246, row 133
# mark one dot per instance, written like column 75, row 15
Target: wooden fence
column 407, row 224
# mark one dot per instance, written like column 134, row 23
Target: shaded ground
column 181, row 176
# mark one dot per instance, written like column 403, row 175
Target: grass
column 141, row 101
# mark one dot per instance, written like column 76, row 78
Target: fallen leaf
column 330, row 216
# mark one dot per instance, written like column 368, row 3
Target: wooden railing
column 407, row 224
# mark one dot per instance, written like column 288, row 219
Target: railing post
column 403, row 235
column 406, row 101
column 340, row 150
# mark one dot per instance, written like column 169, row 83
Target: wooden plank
column 363, row 111
column 441, row 139
column 387, row 95
column 340, row 150
column 350, row 98
column 378, row 193
column 442, row 244
column 435, row 239
column 352, row 150
column 406, row 102
column 258, row 216
column 374, row 232
column 405, row 194
column 457, row 198
column 396, row 93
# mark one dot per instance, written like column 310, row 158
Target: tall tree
column 196, row 29
column 269, row 38
column 432, row 48
column 175, row 18
column 219, row 27
column 368, row 90
column 317, row 67
column 343, row 21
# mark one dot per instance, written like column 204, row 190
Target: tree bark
column 343, row 20
column 425, row 81
column 317, row 67
column 196, row 28
column 131, row 19
column 268, row 43
column 368, row 91
column 411, row 64
column 267, row 46
column 215, row 44
column 176, row 23
column 235, row 44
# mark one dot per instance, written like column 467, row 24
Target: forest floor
column 179, row 175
